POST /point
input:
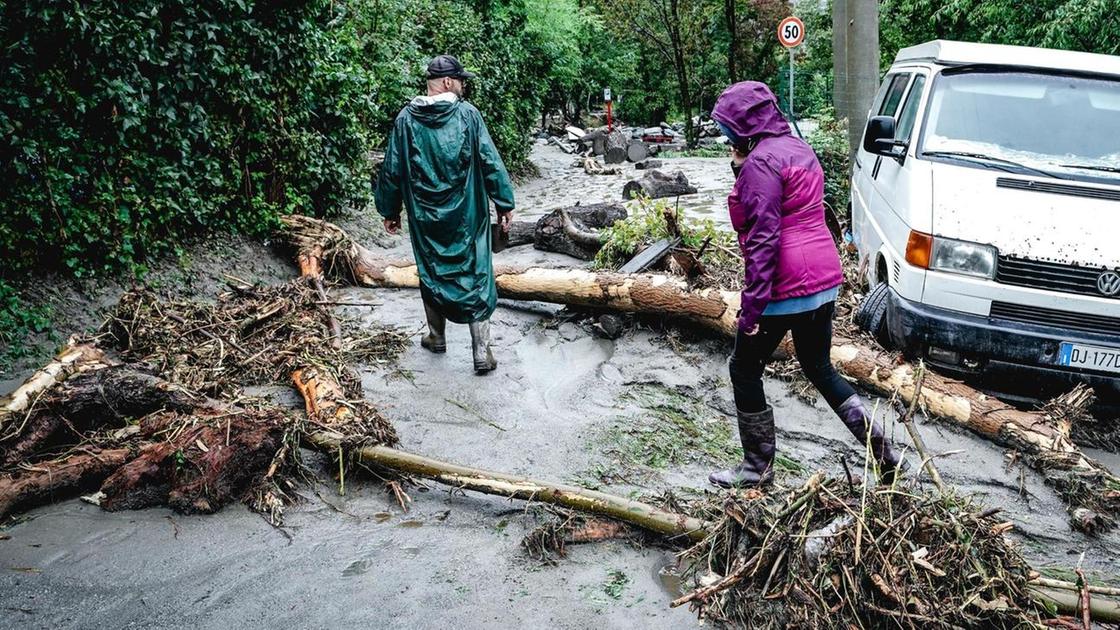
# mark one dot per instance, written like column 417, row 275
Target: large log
column 1034, row 433
column 655, row 184
column 572, row 230
column 49, row 482
column 188, row 451
column 616, row 148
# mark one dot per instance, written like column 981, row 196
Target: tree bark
column 616, row 148
column 49, row 482
column 74, row 357
column 655, row 184
column 572, row 230
column 637, row 151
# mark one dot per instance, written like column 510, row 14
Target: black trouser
column 812, row 341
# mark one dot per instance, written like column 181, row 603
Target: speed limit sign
column 791, row 32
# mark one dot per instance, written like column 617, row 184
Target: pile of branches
column 836, row 554
column 255, row 335
column 165, row 419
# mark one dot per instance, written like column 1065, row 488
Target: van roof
column 952, row 53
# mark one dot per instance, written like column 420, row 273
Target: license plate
column 1089, row 357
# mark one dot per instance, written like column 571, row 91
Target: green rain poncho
column 443, row 167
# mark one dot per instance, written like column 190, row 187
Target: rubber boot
column 437, row 325
column 856, row 417
column 480, row 347
column 756, row 434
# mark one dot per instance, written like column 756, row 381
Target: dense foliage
column 128, row 124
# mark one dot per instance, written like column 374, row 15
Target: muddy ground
column 641, row 414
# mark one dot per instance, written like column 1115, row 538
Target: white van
column 986, row 205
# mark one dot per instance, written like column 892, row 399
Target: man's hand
column 393, row 226
column 505, row 219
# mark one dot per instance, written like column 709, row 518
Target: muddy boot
column 434, row 340
column 480, row 347
column 756, row 433
column 855, row 416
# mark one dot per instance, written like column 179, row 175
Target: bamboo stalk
column 524, row 488
column 1067, row 602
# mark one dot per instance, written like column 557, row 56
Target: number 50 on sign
column 791, row 32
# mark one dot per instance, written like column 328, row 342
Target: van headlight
column 970, row 259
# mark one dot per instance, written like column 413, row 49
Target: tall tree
column 677, row 30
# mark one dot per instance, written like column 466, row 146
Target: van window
column 1068, row 125
column 894, row 95
column 910, row 109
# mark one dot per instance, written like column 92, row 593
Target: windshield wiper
column 1093, row 167
column 990, row 158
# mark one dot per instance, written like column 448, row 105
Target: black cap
column 447, row 66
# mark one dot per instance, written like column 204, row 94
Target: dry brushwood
column 892, row 560
column 1043, row 438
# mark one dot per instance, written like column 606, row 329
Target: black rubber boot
column 437, row 325
column 484, row 360
column 856, row 417
column 756, row 434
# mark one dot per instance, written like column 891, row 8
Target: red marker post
column 791, row 32
column 607, row 98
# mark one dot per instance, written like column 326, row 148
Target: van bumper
column 1005, row 353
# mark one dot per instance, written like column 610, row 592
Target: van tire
column 872, row 313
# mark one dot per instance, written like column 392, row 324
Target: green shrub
column 127, row 125
column 18, row 320
column 830, row 141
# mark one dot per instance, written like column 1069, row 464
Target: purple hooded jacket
column 776, row 205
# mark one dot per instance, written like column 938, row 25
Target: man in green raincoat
column 443, row 168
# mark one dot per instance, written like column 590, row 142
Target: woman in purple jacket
column 792, row 278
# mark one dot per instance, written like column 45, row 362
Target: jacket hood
column 434, row 111
column 750, row 110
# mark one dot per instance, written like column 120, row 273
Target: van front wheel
column 872, row 313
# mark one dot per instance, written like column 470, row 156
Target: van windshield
column 1065, row 125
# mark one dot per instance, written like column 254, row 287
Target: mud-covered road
column 645, row 413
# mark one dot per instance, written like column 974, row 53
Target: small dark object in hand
column 499, row 238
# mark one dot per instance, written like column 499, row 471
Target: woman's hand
column 737, row 158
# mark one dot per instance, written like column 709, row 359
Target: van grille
column 1050, row 317
column 1043, row 275
column 1058, row 189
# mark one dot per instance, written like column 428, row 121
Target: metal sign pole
column 791, row 116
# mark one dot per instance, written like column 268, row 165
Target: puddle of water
column 357, row 568
column 411, row 523
column 381, row 517
column 668, row 576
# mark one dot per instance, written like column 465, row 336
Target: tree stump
column 655, row 184
column 576, row 235
column 637, row 151
column 617, row 148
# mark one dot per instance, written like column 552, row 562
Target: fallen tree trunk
column 72, row 358
column 46, row 482
column 1033, row 433
column 523, row 488
column 572, row 230
column 655, row 184
column 187, row 451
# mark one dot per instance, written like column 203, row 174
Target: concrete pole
column 840, row 57
column 862, row 64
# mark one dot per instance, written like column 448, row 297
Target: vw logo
column 1108, row 283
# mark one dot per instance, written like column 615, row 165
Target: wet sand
column 454, row 560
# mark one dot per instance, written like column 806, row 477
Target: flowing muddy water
column 560, row 406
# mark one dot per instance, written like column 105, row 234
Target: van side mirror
column 879, row 138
